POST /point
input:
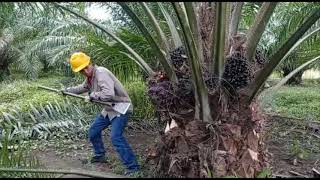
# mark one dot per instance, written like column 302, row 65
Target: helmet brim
column 81, row 67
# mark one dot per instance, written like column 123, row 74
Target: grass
column 17, row 155
column 296, row 149
column 21, row 102
column 22, row 93
column 142, row 107
column 294, row 101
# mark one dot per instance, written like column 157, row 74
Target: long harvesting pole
column 79, row 96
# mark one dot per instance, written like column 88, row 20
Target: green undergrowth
column 25, row 93
column 16, row 154
column 143, row 108
column 293, row 101
column 31, row 112
column 22, row 93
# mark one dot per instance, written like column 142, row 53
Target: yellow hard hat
column 79, row 61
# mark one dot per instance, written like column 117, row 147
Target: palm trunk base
column 231, row 147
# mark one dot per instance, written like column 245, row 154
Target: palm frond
column 112, row 57
column 201, row 94
column 161, row 36
column 161, row 55
column 219, row 38
column 174, row 32
column 44, row 120
column 137, row 57
column 258, row 27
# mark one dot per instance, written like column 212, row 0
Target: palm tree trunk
column 259, row 25
column 4, row 73
column 294, row 80
column 235, row 18
column 233, row 147
column 4, row 66
column 228, row 139
column 206, row 24
column 234, row 22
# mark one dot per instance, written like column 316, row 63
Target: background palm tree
column 6, row 38
column 36, row 41
column 281, row 27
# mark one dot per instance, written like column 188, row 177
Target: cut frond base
column 232, row 147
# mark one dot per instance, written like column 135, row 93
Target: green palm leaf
column 139, row 60
column 162, row 57
column 193, row 55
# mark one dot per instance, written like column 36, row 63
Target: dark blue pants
column 118, row 141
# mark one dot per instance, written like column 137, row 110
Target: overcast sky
column 98, row 13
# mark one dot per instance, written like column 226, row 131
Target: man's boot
column 99, row 159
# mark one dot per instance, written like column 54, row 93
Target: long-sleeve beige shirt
column 104, row 87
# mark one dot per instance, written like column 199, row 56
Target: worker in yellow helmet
column 102, row 85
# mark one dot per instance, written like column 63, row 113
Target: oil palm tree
column 34, row 37
column 281, row 27
column 210, row 106
column 45, row 41
column 6, row 37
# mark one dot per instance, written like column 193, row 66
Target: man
column 102, row 85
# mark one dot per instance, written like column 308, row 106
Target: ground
column 293, row 144
column 75, row 154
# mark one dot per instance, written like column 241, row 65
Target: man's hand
column 88, row 99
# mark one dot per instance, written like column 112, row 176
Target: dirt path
column 51, row 161
column 293, row 150
column 74, row 158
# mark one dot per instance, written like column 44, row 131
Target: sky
column 98, row 13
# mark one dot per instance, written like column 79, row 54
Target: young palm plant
column 215, row 127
